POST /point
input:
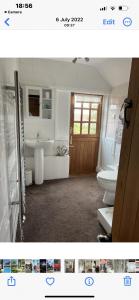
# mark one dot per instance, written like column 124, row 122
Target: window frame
column 89, row 122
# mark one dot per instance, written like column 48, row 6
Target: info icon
column 89, row 281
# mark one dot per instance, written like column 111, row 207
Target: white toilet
column 107, row 180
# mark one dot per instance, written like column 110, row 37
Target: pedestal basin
column 39, row 145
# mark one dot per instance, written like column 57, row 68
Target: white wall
column 44, row 127
column 62, row 115
column 7, row 68
column 120, row 90
column 64, row 77
column 115, row 70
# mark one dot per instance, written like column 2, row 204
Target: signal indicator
column 103, row 8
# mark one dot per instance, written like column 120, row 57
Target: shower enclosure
column 12, row 184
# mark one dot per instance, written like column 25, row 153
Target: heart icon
column 50, row 280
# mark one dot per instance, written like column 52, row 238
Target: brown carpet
column 63, row 211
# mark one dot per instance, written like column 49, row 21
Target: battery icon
column 123, row 7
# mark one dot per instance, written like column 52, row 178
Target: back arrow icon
column 7, row 22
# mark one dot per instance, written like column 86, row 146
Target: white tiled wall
column 110, row 147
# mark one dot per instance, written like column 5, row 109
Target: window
column 86, row 114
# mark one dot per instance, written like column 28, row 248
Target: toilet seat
column 108, row 175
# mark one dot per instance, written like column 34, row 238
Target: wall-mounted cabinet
column 47, row 103
column 39, row 102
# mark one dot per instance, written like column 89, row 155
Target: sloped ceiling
column 62, row 74
column 115, row 71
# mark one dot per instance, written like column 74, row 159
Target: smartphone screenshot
column 69, row 144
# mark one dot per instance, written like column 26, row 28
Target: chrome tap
column 38, row 135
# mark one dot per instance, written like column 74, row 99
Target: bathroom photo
column 69, row 149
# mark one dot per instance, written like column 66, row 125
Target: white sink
column 39, row 145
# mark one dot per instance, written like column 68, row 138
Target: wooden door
column 126, row 212
column 85, row 121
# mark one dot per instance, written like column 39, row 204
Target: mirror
column 34, row 102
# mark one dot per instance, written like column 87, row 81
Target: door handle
column 71, row 140
column 70, row 135
column 128, row 104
